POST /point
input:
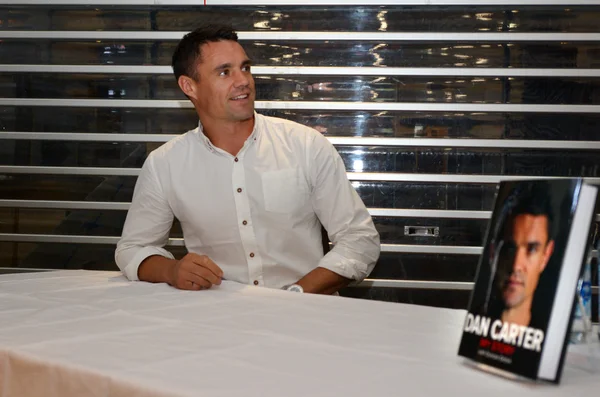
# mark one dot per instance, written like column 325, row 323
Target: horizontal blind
column 429, row 103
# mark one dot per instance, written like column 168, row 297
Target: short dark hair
column 536, row 200
column 188, row 54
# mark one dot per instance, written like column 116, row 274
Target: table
column 83, row 333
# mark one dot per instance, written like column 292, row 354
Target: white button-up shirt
column 257, row 215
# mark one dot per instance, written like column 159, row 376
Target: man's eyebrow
column 223, row 66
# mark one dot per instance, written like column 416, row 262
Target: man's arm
column 148, row 223
column 356, row 245
column 323, row 281
column 140, row 252
column 156, row 269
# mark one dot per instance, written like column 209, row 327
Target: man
column 250, row 191
column 526, row 250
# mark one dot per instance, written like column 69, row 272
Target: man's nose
column 241, row 79
column 520, row 261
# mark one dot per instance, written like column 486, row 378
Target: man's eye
column 224, row 72
column 246, row 68
column 531, row 248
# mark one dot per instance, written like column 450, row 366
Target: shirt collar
column 253, row 137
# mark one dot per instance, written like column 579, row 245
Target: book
column 522, row 303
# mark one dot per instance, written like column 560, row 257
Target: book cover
column 523, row 299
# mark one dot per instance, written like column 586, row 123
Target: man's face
column 530, row 251
column 224, row 87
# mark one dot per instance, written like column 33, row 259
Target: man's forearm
column 322, row 281
column 156, row 269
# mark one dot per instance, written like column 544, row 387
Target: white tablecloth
column 81, row 333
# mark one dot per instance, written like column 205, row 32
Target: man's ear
column 187, row 85
column 547, row 254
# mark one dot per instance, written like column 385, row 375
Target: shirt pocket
column 284, row 190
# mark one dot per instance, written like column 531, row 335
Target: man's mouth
column 514, row 282
column 240, row 97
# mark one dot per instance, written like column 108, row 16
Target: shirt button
column 255, row 282
column 252, row 255
column 239, row 189
column 244, row 223
column 236, row 159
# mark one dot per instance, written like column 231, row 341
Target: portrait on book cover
column 524, row 254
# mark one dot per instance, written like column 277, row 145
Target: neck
column 229, row 136
column 520, row 315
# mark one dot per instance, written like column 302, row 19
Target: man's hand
column 192, row 272
column 195, row 272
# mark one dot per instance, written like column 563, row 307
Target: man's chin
column 511, row 301
column 243, row 116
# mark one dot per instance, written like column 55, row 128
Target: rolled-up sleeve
column 356, row 244
column 148, row 222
